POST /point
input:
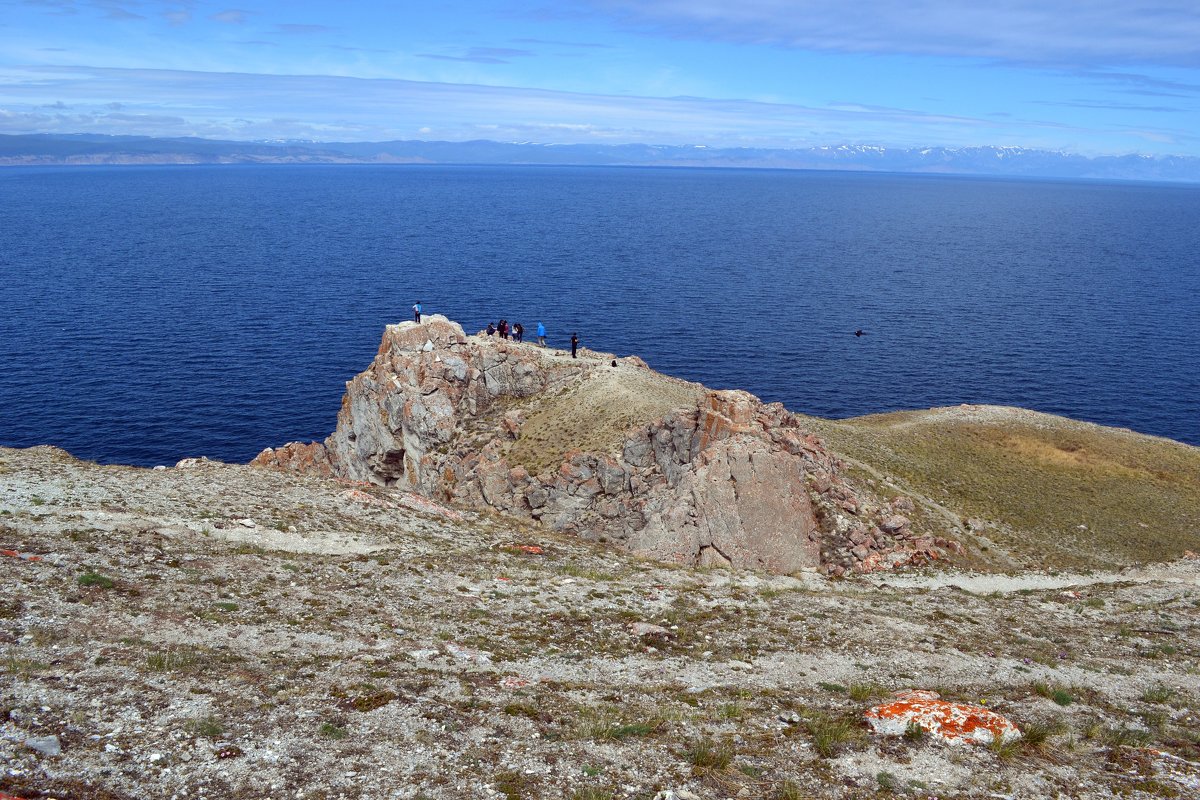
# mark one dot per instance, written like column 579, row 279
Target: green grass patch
column 95, row 579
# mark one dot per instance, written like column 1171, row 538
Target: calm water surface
column 162, row 312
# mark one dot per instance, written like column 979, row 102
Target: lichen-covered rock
column 951, row 723
column 719, row 478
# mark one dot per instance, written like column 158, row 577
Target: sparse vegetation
column 467, row 662
column 707, row 754
column 830, row 733
column 1158, row 694
column 95, row 579
column 331, row 731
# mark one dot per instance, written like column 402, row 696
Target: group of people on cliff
column 515, row 331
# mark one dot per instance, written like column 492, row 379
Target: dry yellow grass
column 1060, row 493
column 595, row 414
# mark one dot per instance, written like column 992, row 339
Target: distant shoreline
column 28, row 150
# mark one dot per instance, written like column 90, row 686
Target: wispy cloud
column 555, row 43
column 1038, row 31
column 1108, row 106
column 299, row 29
column 363, row 109
column 1139, row 83
column 230, row 16
column 482, row 55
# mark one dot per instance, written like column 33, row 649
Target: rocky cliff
column 607, row 449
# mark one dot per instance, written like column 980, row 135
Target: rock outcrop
column 607, row 449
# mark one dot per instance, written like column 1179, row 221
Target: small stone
column 790, row 717
column 46, row 745
column 246, row 523
column 646, row 629
column 155, row 758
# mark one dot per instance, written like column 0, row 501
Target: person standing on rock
column 417, row 312
column 541, row 335
column 518, row 332
column 503, row 328
column 574, row 344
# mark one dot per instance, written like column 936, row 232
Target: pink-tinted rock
column 310, row 458
column 729, row 481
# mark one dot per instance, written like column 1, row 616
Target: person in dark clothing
column 417, row 312
column 574, row 344
column 519, row 332
column 491, row 329
column 503, row 328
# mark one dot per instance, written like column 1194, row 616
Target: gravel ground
column 219, row 631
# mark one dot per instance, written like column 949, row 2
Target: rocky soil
column 220, row 631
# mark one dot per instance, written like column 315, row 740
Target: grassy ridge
column 1056, row 492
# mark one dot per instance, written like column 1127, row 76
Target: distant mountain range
column 51, row 149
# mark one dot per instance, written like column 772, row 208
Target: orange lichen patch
column 953, row 723
column 23, row 557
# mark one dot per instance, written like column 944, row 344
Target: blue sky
column 1086, row 76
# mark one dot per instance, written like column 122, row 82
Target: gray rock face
column 728, row 481
column 46, row 745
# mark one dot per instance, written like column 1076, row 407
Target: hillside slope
column 1036, row 490
column 220, row 631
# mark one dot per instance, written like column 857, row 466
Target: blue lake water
column 153, row 313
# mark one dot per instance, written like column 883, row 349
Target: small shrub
column 863, row 691
column 887, row 782
column 1006, row 747
column 94, row 579
column 914, row 733
column 789, row 790
column 1060, row 696
column 592, row 793
column 829, row 734
column 170, row 661
column 835, row 688
column 208, row 727
column 1158, row 694
column 1035, row 735
column 226, row 606
column 705, row 754
column 730, row 711
column 331, row 731
column 513, row 785
column 1114, row 736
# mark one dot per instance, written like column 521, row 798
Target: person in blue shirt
column 541, row 334
column 417, row 312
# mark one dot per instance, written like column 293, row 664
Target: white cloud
column 363, row 109
column 1058, row 32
